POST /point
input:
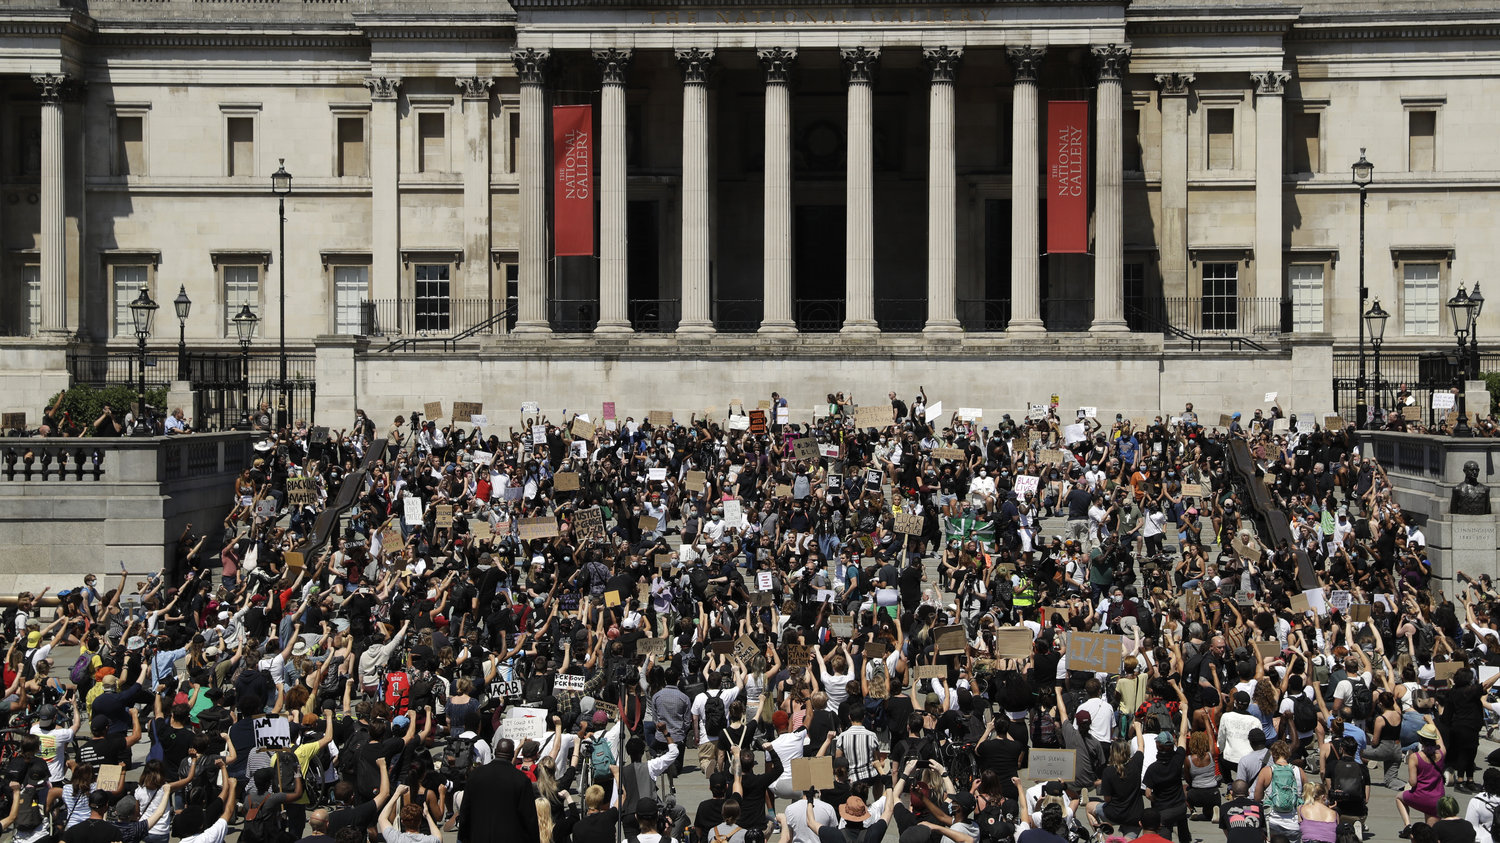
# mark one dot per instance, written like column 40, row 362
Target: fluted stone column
column 54, row 251
column 614, row 283
column 695, row 63
column 1270, row 90
column 531, row 68
column 385, row 211
column 859, row 196
column 476, row 170
column 776, row 317
column 942, row 193
column 1025, row 241
column 1175, row 88
column 1109, row 192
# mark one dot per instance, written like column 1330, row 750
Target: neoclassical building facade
column 778, row 182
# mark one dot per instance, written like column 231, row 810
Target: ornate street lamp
column 1461, row 311
column 184, row 306
column 1374, row 321
column 1363, row 173
column 244, row 328
column 142, row 311
column 281, row 185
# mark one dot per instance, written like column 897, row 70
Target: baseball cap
column 1083, row 718
column 963, row 800
column 33, row 638
column 1241, row 697
column 646, row 808
column 46, row 715
column 1165, row 737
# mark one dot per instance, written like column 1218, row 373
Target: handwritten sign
column 950, row 639
column 568, row 682
column 432, row 410
column 111, row 776
column 273, row 732
column 656, row 475
column 734, row 514
column 796, row 656
column 565, row 481
column 841, row 625
column 909, row 524
column 757, row 424
column 948, row 453
column 1053, row 456
column 1026, row 484
column 444, row 517
column 583, row 429
column 765, row 581
column 969, row 414
column 1095, row 652
column 1340, row 600
column 588, row 524
column 412, row 509
column 301, row 491
column 651, row 646
column 745, row 648
column 530, row 408
column 1048, row 765
column 511, row 689
column 523, row 723
column 660, row 418
column 1192, row 490
column 805, row 448
column 541, row 527
column 465, row 410
column 876, row 416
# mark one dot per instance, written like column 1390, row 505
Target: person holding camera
column 107, row 424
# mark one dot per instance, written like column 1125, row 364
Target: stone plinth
column 1472, row 539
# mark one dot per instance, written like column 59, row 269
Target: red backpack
column 397, row 692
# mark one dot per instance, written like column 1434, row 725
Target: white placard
column 1036, row 412
column 1026, row 485
column 738, row 423
column 478, row 420
column 1443, row 400
column 568, row 682
column 530, row 408
column 765, row 581
column 1090, row 412
column 970, row 413
column 509, row 689
column 1074, row 433
column 734, row 514
column 273, row 732
column 783, row 415
column 934, row 411
column 583, row 417
column 656, row 474
column 1339, row 600
column 483, row 457
column 830, row 451
column 1315, row 600
column 538, row 434
column 524, row 724
column 609, row 424
column 1270, row 397
column 413, row 510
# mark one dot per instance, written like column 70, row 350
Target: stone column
column 776, row 317
column 942, row 193
column 476, row 164
column 1109, row 192
column 614, row 282
column 1269, row 94
column 531, row 68
column 859, row 193
column 1175, row 88
column 1025, row 192
column 54, row 253
column 385, row 203
column 696, row 63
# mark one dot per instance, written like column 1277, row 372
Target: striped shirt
column 859, row 746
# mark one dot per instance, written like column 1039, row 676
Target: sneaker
column 1405, row 833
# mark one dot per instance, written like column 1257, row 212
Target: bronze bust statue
column 1470, row 497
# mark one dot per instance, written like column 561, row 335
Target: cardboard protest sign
column 1013, row 643
column 565, row 481
column 950, row 639
column 805, row 448
column 647, row 524
column 480, row 528
column 390, row 536
column 588, row 524
column 583, row 429
column 722, row 648
column 876, row 416
column 909, row 524
column 762, row 599
column 564, row 682
column 949, row 453
column 660, row 418
column 1359, row 612
column 841, row 625
column 1053, row 456
column 745, row 648
column 444, row 517
column 1445, row 670
column 758, row 424
column 273, row 732
column 294, row 560
column 796, row 656
column 432, row 410
column 110, row 777
column 929, row 671
column 1048, row 765
column 301, row 491
column 651, row 646
column 1300, row 603
column 1225, row 420
column 1192, row 490
column 1095, row 652
column 1267, row 649
column 812, row 772
column 541, row 527
column 694, row 481
column 465, row 410
column 763, row 404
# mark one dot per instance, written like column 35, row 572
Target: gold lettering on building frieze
column 847, row 15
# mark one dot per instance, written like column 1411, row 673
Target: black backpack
column 1044, row 731
column 267, row 827
column 714, row 716
column 1348, row 781
column 348, row 760
column 1360, row 701
column 458, row 758
column 1304, row 714
column 284, row 771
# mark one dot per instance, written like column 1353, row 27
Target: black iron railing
column 431, row 317
column 738, row 316
column 571, row 316
column 655, row 316
column 901, row 315
column 984, row 315
column 1068, row 314
column 820, row 316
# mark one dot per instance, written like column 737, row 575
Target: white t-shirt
column 1481, row 815
column 1346, row 687
column 796, row 819
column 1102, row 717
column 54, row 750
column 788, row 747
column 700, row 709
column 1234, row 734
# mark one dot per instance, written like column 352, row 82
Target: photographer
column 107, row 424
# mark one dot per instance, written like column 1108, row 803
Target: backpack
column 81, row 671
column 1159, row 718
column 994, row 826
column 1283, row 797
column 398, row 692
column 1304, row 714
column 1360, row 701
column 1348, row 781
column 348, row 760
column 600, row 757
column 714, row 718
column 284, row 771
column 30, row 814
column 699, row 578
column 458, row 758
column 717, row 837
column 266, row 826
column 1044, row 731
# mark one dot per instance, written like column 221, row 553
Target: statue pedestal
column 1472, row 541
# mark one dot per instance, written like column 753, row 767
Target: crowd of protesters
column 533, row 635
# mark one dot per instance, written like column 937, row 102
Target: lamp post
column 184, row 305
column 1461, row 309
column 1476, row 304
column 1374, row 321
column 244, row 328
column 142, row 310
column 281, row 185
column 1363, row 173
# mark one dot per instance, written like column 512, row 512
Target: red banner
column 1067, row 177
column 573, row 179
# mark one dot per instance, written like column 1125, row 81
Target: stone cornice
column 680, row 4
column 229, row 38
column 1393, row 28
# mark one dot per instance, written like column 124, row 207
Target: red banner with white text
column 1067, row 177
column 573, row 180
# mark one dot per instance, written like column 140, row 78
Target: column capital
column 943, row 62
column 613, row 63
column 531, row 65
column 383, row 87
column 58, row 87
column 475, row 87
column 1026, row 60
column 1271, row 83
column 778, row 63
column 1175, row 84
column 696, row 62
column 1110, row 60
column 860, row 62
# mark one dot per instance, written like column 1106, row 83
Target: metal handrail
column 449, row 343
column 1156, row 323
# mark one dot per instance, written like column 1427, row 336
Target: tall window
column 432, row 142
column 1221, row 139
column 1422, row 140
column 130, row 145
column 432, row 304
column 1306, row 142
column 1421, row 306
column 127, row 281
column 351, row 289
column 241, row 287
column 1307, row 298
column 1135, row 285
column 31, row 279
column 1221, row 289
column 351, row 151
column 240, row 133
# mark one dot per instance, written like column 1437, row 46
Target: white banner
column 413, row 510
